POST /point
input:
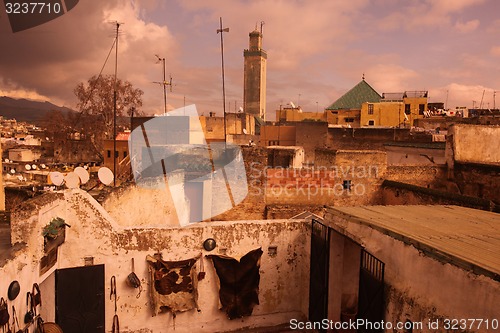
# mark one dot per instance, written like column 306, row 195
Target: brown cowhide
column 239, row 283
column 173, row 284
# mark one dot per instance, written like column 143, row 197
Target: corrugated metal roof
column 354, row 98
column 466, row 237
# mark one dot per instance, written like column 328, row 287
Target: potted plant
column 54, row 233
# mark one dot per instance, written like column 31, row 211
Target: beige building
column 254, row 85
column 395, row 109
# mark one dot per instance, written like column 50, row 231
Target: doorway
column 80, row 299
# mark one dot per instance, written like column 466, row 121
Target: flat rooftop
column 465, row 237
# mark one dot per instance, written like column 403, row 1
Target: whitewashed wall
column 284, row 284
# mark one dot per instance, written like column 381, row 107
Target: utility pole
column 221, row 31
column 494, row 106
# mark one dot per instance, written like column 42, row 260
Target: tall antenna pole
column 163, row 83
column 494, row 106
column 221, row 31
column 114, row 105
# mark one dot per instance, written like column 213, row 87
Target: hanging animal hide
column 173, row 285
column 239, row 283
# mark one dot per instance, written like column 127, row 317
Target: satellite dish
column 105, row 175
column 245, row 131
column 12, row 171
column 27, row 167
column 85, row 166
column 82, row 174
column 33, row 166
column 72, row 180
column 6, row 160
column 240, row 109
column 293, row 105
column 43, row 166
column 56, row 178
column 20, row 178
column 47, row 138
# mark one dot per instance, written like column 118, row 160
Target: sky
column 317, row 50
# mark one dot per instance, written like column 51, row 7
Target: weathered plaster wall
column 135, row 205
column 420, row 288
column 284, row 280
column 475, row 144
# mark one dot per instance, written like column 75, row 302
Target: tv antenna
column 164, row 83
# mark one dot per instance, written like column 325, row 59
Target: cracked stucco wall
column 284, row 284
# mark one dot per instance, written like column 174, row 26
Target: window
column 371, row 122
column 116, row 154
column 370, row 108
column 125, row 154
column 421, row 109
column 109, row 153
column 346, row 184
column 407, row 108
column 349, row 120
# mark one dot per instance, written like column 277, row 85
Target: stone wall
column 482, row 181
column 423, row 175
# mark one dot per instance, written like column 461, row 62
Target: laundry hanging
column 173, row 284
column 238, row 283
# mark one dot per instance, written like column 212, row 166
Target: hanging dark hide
column 239, row 283
column 173, row 285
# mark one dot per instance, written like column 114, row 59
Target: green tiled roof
column 359, row 94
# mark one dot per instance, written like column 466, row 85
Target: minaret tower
column 254, row 86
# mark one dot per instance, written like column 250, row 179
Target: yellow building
column 346, row 110
column 395, row 109
column 296, row 114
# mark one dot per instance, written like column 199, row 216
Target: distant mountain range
column 26, row 110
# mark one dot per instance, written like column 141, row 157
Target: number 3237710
column 469, row 324
column 32, row 8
